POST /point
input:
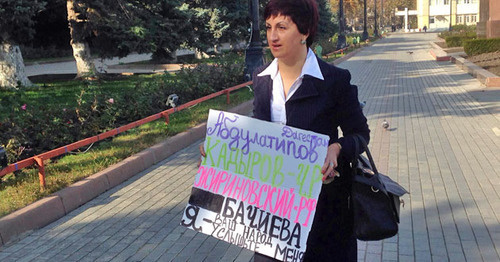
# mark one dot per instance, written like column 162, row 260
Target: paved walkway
column 69, row 67
column 442, row 145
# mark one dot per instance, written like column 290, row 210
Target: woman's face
column 283, row 37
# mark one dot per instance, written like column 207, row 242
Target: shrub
column 30, row 129
column 351, row 37
column 463, row 28
column 460, row 30
column 454, row 41
column 329, row 45
column 480, row 46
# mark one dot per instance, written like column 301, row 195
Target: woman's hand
column 202, row 153
column 328, row 170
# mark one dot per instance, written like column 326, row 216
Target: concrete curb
column 438, row 53
column 36, row 215
column 59, row 204
column 484, row 76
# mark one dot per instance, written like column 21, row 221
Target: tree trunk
column 84, row 63
column 12, row 72
column 81, row 51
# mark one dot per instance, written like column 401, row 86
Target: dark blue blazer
column 318, row 105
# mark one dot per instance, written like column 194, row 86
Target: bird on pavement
column 410, row 52
column 385, row 124
column 362, row 104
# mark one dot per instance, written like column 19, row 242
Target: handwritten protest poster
column 258, row 185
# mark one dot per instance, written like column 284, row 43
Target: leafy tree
column 215, row 22
column 391, row 5
column 79, row 15
column 16, row 27
column 326, row 26
column 236, row 21
column 117, row 28
column 160, row 27
column 353, row 10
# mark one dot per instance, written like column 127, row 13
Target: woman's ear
column 305, row 37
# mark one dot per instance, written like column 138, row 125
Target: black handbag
column 374, row 198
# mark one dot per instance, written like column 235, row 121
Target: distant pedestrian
column 425, row 29
column 358, row 39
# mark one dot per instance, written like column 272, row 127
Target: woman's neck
column 290, row 69
column 292, row 66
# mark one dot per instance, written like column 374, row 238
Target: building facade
column 436, row 14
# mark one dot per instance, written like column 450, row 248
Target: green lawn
column 23, row 188
column 64, row 93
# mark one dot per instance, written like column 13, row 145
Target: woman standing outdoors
column 300, row 90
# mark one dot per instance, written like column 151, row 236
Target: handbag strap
column 359, row 139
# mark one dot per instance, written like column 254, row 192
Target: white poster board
column 258, row 185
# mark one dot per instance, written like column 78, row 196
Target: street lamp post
column 382, row 14
column 375, row 30
column 365, row 33
column 3, row 159
column 253, row 55
column 341, row 39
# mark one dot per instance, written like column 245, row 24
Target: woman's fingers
column 202, row 153
column 328, row 166
column 328, row 170
column 202, row 150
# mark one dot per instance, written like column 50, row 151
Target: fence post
column 41, row 171
column 227, row 96
column 166, row 116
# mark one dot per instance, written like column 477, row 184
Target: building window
column 468, row 1
column 431, row 19
column 467, row 18
column 459, row 19
column 473, row 18
column 446, row 2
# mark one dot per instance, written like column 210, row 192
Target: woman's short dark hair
column 304, row 13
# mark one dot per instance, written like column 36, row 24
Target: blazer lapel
column 306, row 89
column 310, row 85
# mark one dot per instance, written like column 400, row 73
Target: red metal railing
column 339, row 51
column 38, row 159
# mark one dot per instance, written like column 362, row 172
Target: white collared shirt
column 278, row 110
